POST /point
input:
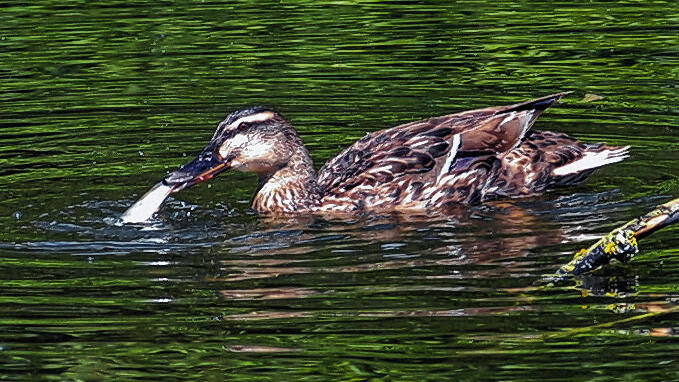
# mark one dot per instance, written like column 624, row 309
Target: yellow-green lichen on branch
column 621, row 243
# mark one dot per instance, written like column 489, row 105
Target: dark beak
column 203, row 168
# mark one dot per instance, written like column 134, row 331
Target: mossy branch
column 621, row 243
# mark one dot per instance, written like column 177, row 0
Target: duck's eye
column 244, row 126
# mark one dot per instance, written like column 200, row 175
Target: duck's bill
column 199, row 170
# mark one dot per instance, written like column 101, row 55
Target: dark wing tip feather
column 536, row 104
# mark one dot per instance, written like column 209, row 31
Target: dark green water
column 100, row 99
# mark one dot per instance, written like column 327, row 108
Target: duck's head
column 256, row 140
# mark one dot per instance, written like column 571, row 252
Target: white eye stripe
column 259, row 117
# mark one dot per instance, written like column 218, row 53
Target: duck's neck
column 292, row 188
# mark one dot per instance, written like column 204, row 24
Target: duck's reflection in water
column 493, row 241
column 501, row 241
column 501, row 232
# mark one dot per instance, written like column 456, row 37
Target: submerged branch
column 621, row 243
column 606, row 325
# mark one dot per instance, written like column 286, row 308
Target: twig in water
column 621, row 243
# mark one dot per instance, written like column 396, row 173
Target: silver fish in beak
column 147, row 205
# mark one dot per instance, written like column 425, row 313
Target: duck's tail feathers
column 539, row 104
column 532, row 108
column 593, row 159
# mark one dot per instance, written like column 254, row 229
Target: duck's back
column 444, row 160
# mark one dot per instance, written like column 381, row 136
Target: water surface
column 101, row 99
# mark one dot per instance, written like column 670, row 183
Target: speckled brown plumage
column 462, row 158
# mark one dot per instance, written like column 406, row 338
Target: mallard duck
column 463, row 158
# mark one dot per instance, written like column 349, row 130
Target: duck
column 465, row 158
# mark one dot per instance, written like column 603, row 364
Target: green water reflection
column 100, row 99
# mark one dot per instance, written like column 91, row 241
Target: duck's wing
column 430, row 147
